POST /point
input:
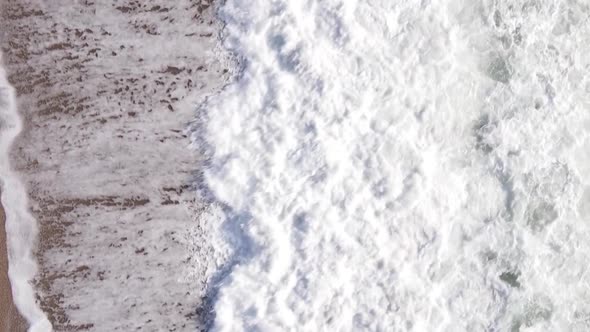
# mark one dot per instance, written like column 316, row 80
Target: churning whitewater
column 402, row 166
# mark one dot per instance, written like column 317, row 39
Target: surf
column 387, row 166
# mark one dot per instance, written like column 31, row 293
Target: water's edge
column 104, row 156
column 21, row 227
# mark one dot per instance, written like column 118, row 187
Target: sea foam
column 21, row 227
column 403, row 166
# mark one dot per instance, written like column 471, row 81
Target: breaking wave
column 403, row 165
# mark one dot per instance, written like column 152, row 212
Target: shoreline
column 10, row 318
column 105, row 157
column 19, row 229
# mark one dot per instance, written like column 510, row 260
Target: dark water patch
column 510, row 278
column 499, row 70
column 489, row 256
column 541, row 216
column 497, row 18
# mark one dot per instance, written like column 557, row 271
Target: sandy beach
column 106, row 92
column 283, row 165
column 10, row 320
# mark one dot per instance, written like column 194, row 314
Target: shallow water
column 402, row 166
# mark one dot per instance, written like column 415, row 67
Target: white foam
column 403, row 166
column 21, row 227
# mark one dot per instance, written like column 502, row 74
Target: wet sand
column 107, row 91
column 10, row 320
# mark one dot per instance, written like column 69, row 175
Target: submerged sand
column 107, row 91
column 10, row 320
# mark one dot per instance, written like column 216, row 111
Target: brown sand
column 106, row 90
column 10, row 320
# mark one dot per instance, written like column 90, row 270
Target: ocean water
column 401, row 166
